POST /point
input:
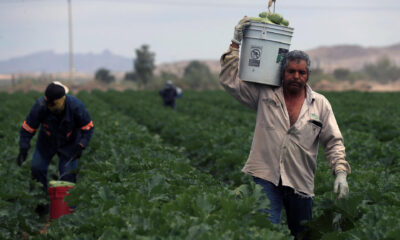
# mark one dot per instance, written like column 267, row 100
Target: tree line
column 196, row 74
column 382, row 71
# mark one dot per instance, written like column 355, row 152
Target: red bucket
column 58, row 206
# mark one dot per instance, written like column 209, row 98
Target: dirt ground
column 74, row 88
column 320, row 86
column 363, row 86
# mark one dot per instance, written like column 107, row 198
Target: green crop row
column 140, row 178
column 215, row 133
column 133, row 186
column 19, row 195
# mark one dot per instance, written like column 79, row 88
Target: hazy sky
column 186, row 29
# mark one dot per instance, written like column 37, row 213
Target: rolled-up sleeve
column 245, row 92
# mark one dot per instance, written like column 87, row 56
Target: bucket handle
column 65, row 166
column 270, row 4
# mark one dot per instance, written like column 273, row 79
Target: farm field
column 154, row 173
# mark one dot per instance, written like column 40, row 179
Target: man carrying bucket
column 291, row 121
column 66, row 129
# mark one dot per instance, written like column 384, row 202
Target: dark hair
column 53, row 92
column 292, row 56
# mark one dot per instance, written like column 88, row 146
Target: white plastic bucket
column 263, row 47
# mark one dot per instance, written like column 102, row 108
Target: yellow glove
column 340, row 186
column 238, row 33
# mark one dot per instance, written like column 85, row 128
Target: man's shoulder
column 320, row 100
column 40, row 105
column 319, row 96
column 267, row 91
column 315, row 95
column 41, row 102
column 265, row 88
column 74, row 102
column 73, row 99
column 323, row 107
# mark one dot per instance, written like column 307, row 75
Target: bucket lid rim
column 272, row 24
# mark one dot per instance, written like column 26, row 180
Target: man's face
column 57, row 106
column 295, row 76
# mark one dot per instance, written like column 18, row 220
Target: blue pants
column 171, row 104
column 40, row 164
column 298, row 207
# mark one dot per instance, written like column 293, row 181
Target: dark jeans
column 40, row 164
column 298, row 207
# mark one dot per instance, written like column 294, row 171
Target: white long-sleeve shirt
column 280, row 151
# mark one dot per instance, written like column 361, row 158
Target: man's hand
column 78, row 151
column 238, row 33
column 340, row 186
column 23, row 153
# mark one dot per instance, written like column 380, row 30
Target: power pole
column 71, row 51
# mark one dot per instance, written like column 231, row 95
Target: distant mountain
column 328, row 58
column 50, row 62
column 352, row 57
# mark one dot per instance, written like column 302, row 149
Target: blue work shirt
column 168, row 95
column 57, row 134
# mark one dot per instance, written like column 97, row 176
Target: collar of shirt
column 310, row 97
column 309, row 94
column 67, row 116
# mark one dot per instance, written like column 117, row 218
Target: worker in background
column 65, row 131
column 169, row 94
column 291, row 121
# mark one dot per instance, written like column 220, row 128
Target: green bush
column 341, row 73
column 198, row 76
column 103, row 75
